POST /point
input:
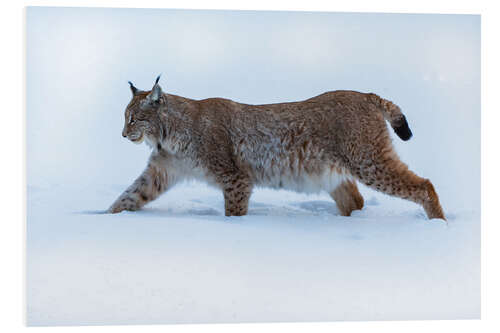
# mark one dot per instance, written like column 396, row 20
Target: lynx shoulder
column 325, row 143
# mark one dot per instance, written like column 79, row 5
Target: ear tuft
column 134, row 89
column 157, row 79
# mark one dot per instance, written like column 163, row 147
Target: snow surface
column 293, row 258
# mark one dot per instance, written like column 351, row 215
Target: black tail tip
column 402, row 129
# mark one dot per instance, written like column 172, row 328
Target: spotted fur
column 325, row 143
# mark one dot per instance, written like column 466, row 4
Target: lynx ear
column 132, row 88
column 156, row 92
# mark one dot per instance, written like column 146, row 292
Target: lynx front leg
column 235, row 183
column 151, row 183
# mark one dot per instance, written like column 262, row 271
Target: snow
column 293, row 257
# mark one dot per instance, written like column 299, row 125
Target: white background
column 18, row 135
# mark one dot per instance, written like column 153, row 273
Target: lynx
column 325, row 143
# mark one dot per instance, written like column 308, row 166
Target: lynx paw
column 115, row 209
column 122, row 205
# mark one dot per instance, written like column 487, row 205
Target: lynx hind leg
column 347, row 197
column 237, row 191
column 387, row 174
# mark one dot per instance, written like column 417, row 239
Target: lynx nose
column 124, row 133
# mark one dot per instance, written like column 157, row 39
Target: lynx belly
column 327, row 179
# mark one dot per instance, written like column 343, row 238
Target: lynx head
column 142, row 115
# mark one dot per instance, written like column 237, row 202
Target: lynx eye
column 130, row 119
